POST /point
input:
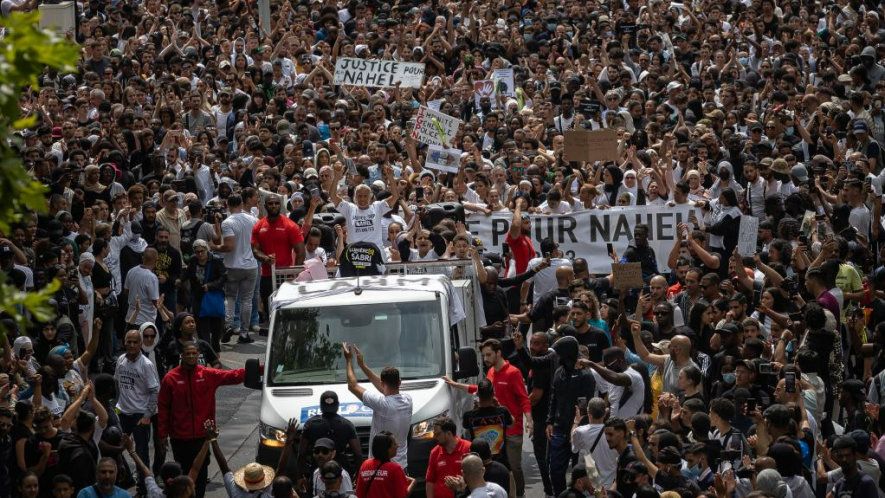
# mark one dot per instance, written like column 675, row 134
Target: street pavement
column 237, row 411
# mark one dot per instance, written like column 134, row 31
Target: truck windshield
column 306, row 342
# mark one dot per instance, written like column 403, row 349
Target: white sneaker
column 256, row 329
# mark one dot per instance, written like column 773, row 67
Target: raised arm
column 352, row 384
column 372, row 376
column 657, row 360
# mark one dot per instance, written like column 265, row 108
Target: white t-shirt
column 563, row 208
column 319, row 486
column 138, row 382
column 615, row 393
column 394, row 414
column 143, row 284
column 239, row 226
column 545, row 280
column 605, row 457
column 364, row 225
column 490, row 490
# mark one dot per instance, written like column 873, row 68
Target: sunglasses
column 150, row 336
column 321, row 451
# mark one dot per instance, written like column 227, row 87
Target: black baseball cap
column 329, row 402
column 324, row 442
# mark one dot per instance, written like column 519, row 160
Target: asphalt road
column 237, row 411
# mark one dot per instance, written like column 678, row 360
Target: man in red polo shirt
column 511, row 394
column 445, row 458
column 274, row 239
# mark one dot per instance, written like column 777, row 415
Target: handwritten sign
column 627, row 275
column 429, row 123
column 747, row 236
column 442, row 159
column 598, row 145
column 378, row 73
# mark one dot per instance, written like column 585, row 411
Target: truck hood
column 430, row 397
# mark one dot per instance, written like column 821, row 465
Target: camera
column 211, row 211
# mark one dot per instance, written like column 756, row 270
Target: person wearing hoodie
column 187, row 399
column 184, row 328
column 78, row 450
column 569, row 384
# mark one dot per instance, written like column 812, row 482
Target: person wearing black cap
column 327, row 426
column 332, row 476
column 324, row 452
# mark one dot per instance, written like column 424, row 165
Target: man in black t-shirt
column 328, row 424
column 594, row 338
column 489, row 422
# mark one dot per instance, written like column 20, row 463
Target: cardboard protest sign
column 378, row 73
column 627, row 275
column 433, row 127
column 747, row 237
column 61, row 17
column 504, row 81
column 442, row 159
column 484, row 88
column 598, row 145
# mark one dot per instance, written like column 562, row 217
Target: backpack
column 188, row 237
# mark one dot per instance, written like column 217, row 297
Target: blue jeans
column 255, row 317
column 560, row 455
column 142, row 436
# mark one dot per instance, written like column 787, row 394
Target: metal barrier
column 283, row 274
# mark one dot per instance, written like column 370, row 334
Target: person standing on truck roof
column 511, row 393
column 329, row 426
column 187, row 399
column 276, row 240
column 391, row 410
column 364, row 217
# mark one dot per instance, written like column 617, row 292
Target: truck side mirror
column 253, row 374
column 468, row 366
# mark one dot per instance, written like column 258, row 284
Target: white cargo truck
column 413, row 318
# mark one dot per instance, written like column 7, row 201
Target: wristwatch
column 632, row 434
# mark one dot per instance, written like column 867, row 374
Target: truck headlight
column 271, row 436
column 423, row 430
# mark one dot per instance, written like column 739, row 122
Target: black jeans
column 210, row 329
column 266, row 289
column 141, row 434
column 185, row 451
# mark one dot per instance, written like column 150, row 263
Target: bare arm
column 352, row 384
column 372, row 376
column 657, row 360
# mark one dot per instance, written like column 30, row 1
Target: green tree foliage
column 25, row 52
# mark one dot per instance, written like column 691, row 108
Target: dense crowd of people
column 201, row 143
